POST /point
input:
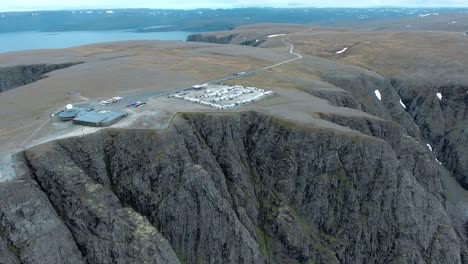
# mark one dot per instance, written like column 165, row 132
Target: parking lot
column 222, row 96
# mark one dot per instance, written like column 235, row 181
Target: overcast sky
column 22, row 5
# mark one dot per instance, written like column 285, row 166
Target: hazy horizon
column 56, row 5
column 228, row 8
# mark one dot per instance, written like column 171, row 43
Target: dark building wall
column 104, row 123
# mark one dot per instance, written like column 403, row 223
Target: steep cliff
column 443, row 121
column 211, row 38
column 440, row 123
column 15, row 76
column 232, row 188
column 235, row 38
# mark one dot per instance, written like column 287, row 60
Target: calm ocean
column 17, row 41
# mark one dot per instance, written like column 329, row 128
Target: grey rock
column 452, row 151
column 15, row 76
column 250, row 188
column 362, row 87
column 30, row 227
column 8, row 254
column 253, row 41
column 104, row 229
column 340, row 98
column 211, row 38
column 442, row 122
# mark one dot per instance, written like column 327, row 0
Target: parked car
column 104, row 102
column 238, row 73
column 140, row 104
column 136, row 104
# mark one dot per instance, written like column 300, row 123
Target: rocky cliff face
column 238, row 39
column 231, row 188
column 443, row 122
column 211, row 38
column 15, row 76
column 252, row 188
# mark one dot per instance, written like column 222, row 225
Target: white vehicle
column 117, row 99
column 104, row 102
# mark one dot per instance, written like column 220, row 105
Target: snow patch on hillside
column 430, row 14
column 377, row 93
column 402, row 104
column 276, row 35
column 429, row 146
column 341, row 51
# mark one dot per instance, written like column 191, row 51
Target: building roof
column 70, row 113
column 99, row 116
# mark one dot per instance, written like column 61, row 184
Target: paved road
column 291, row 50
column 247, row 73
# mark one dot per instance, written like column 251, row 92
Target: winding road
column 251, row 72
column 291, row 51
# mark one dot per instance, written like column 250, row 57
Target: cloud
column 190, row 4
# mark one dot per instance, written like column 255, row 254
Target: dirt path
column 26, row 141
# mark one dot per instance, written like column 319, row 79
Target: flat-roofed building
column 71, row 113
column 99, row 118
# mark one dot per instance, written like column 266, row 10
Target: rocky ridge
column 251, row 187
column 15, row 76
column 443, row 124
column 234, row 188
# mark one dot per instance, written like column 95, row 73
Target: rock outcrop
column 211, row 38
column 15, row 76
column 249, row 187
column 232, row 188
column 237, row 39
column 443, row 122
column 31, row 229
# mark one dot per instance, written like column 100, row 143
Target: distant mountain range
column 151, row 20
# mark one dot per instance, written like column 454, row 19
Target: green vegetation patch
column 263, row 241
